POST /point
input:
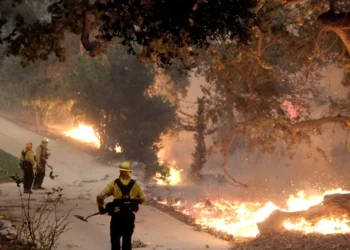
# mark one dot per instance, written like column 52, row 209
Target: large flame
column 240, row 219
column 174, row 177
column 85, row 133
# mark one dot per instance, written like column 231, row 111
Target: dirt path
column 82, row 177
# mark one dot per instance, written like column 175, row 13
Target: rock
column 4, row 224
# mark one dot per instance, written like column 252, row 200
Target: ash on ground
column 294, row 241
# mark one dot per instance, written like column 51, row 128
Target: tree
column 34, row 89
column 265, row 92
column 111, row 93
column 163, row 28
column 200, row 154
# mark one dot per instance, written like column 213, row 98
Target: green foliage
column 200, row 154
column 9, row 166
column 110, row 92
column 172, row 24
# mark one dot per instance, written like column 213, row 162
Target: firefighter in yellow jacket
column 28, row 165
column 41, row 157
column 127, row 196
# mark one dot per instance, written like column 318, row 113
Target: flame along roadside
column 240, row 219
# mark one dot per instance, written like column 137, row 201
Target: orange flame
column 174, row 177
column 85, row 133
column 240, row 219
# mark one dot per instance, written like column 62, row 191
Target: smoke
column 314, row 168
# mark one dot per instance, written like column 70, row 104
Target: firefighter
column 28, row 165
column 127, row 196
column 41, row 157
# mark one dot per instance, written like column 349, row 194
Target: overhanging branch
column 312, row 124
column 94, row 48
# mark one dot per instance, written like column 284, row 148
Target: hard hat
column 29, row 144
column 45, row 140
column 125, row 166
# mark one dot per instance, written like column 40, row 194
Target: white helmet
column 45, row 140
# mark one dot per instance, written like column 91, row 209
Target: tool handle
column 92, row 215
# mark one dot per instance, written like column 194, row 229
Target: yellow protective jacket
column 113, row 190
column 41, row 153
column 29, row 156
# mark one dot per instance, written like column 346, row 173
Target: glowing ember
column 240, row 219
column 85, row 133
column 174, row 177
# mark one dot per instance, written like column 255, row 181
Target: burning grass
column 232, row 220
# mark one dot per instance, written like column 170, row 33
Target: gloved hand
column 102, row 210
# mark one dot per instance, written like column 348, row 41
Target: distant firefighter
column 28, row 165
column 41, row 157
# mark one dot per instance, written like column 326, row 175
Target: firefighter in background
column 127, row 197
column 28, row 165
column 41, row 157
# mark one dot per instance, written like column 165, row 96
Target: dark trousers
column 39, row 177
column 28, row 176
column 122, row 226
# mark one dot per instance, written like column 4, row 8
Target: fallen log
column 334, row 205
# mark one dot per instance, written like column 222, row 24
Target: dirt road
column 82, row 178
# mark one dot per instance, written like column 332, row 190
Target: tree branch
column 185, row 114
column 291, row 2
column 312, row 124
column 339, row 24
column 93, row 47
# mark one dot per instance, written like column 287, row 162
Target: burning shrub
column 161, row 171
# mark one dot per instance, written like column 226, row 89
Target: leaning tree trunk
column 334, row 205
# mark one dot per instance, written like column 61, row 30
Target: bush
column 42, row 225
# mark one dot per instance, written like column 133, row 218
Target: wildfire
column 85, row 133
column 174, row 177
column 324, row 226
column 240, row 219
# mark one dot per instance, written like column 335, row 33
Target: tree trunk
column 334, row 205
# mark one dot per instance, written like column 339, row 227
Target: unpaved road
column 82, row 178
